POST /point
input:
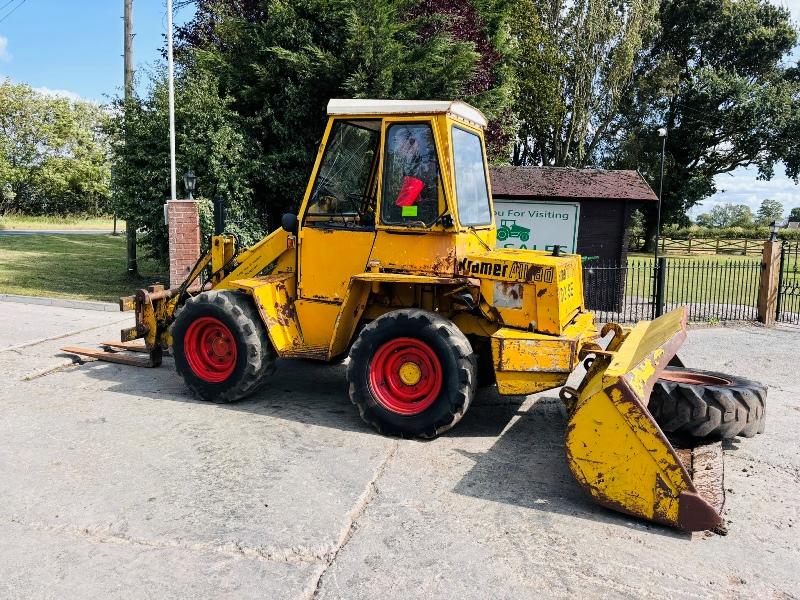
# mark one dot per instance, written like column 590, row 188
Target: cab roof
column 356, row 106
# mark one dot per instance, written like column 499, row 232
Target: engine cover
column 530, row 289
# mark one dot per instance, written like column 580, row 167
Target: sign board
column 537, row 225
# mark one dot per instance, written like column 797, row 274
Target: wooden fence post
column 768, row 285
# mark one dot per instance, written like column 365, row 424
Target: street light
column 190, row 182
column 662, row 133
column 773, row 229
column 658, row 270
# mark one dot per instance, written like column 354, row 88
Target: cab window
column 410, row 176
column 471, row 189
column 343, row 192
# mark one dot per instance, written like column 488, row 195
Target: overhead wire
column 10, row 12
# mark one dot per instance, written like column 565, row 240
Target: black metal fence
column 713, row 289
column 788, row 302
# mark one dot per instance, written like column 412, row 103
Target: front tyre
column 412, row 373
column 221, row 347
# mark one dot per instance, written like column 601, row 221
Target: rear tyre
column 412, row 373
column 221, row 347
column 695, row 404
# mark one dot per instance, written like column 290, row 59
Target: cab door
column 338, row 225
column 412, row 236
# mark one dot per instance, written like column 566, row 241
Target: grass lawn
column 85, row 267
column 716, row 279
column 12, row 222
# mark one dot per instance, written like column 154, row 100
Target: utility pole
column 130, row 226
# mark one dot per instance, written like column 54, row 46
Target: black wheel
column 706, row 405
column 221, row 347
column 412, row 373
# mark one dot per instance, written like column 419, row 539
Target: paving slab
column 54, row 563
column 117, row 483
column 23, row 324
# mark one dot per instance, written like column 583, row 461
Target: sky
column 74, row 48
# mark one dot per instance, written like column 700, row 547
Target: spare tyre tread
column 700, row 411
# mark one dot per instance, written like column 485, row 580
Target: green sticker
column 409, row 211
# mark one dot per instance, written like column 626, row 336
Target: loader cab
column 400, row 164
column 397, row 186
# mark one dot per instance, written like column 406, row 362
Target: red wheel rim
column 210, row 349
column 405, row 376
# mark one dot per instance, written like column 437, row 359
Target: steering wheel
column 364, row 207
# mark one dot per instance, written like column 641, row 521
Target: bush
column 208, row 141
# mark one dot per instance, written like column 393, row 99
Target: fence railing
column 694, row 246
column 713, row 289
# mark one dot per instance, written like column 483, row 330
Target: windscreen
column 345, row 169
column 471, row 189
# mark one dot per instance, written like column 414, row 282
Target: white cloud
column 60, row 94
column 743, row 187
column 5, row 56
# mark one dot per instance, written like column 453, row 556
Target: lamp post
column 171, row 102
column 190, row 183
column 659, row 274
column 662, row 133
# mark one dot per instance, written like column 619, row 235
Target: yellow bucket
column 616, row 450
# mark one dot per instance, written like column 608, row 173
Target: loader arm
column 155, row 306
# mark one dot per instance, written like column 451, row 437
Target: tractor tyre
column 412, row 373
column 502, row 234
column 697, row 405
column 221, row 347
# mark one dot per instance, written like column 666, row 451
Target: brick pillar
column 184, row 240
column 768, row 286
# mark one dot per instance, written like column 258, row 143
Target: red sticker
column 409, row 192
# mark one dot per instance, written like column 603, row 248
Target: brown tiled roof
column 555, row 182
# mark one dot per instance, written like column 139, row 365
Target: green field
column 691, row 279
column 17, row 222
column 82, row 267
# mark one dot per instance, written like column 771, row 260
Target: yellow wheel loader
column 391, row 260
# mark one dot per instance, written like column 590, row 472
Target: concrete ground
column 114, row 483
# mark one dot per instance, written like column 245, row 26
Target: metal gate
column 714, row 289
column 788, row 301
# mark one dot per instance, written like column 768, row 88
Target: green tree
column 573, row 63
column 715, row 77
column 254, row 80
column 727, row 215
column 54, row 156
column 209, row 141
column 794, row 215
column 769, row 211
